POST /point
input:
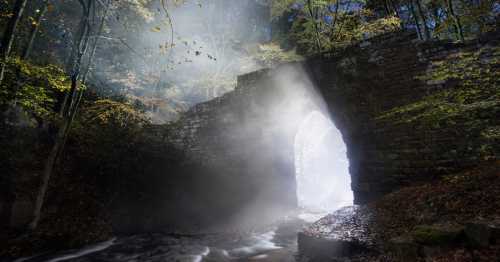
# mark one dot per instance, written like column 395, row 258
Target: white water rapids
column 277, row 243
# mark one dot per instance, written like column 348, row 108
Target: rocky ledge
column 344, row 233
column 452, row 219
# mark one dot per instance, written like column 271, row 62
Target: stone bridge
column 248, row 134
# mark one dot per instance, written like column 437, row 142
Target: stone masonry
column 239, row 132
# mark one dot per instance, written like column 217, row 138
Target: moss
column 440, row 203
column 474, row 90
column 491, row 132
column 436, row 234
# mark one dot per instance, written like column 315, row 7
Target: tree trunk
column 316, row 29
column 34, row 30
column 415, row 17
column 9, row 35
column 94, row 47
column 68, row 115
column 437, row 20
column 335, row 20
column 427, row 34
column 396, row 13
column 387, row 9
column 75, row 58
column 47, row 172
column 91, row 57
column 456, row 19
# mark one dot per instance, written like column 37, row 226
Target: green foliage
column 279, row 7
column 476, row 79
column 472, row 69
column 335, row 23
column 436, row 234
column 476, row 18
column 109, row 113
column 378, row 26
column 33, row 87
column 271, row 54
column 104, row 132
column 317, row 23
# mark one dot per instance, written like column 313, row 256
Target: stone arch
column 321, row 165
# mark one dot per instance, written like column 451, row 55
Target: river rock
column 437, row 234
column 341, row 234
column 403, row 248
column 482, row 233
column 478, row 234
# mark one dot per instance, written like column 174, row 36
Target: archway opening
column 321, row 165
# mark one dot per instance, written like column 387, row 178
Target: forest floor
column 469, row 196
column 456, row 201
column 456, row 218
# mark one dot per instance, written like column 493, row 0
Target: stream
column 276, row 243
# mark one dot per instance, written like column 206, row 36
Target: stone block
column 482, row 233
column 437, row 235
column 403, row 248
column 478, row 234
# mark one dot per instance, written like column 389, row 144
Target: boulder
column 482, row 233
column 495, row 232
column 343, row 233
column 478, row 234
column 403, row 248
column 437, row 234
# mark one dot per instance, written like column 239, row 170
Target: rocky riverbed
column 277, row 242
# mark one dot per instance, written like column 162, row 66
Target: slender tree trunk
column 437, row 20
column 91, row 57
column 387, row 9
column 415, row 17
column 5, row 50
column 427, row 34
column 316, row 29
column 73, row 94
column 342, row 24
column 47, row 172
column 94, row 47
column 396, row 13
column 335, row 20
column 9, row 35
column 456, row 19
column 68, row 115
column 34, row 30
column 83, row 29
column 395, row 8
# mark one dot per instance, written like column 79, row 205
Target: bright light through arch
column 321, row 165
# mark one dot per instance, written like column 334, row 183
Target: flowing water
column 276, row 243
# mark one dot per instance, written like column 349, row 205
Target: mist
column 295, row 157
column 248, row 130
column 321, row 165
column 190, row 53
column 183, row 54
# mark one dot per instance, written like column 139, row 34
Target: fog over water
column 212, row 44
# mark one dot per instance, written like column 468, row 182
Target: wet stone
column 438, row 234
column 403, row 248
column 343, row 233
column 482, row 233
column 478, row 234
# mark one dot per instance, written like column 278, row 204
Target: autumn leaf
column 156, row 29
